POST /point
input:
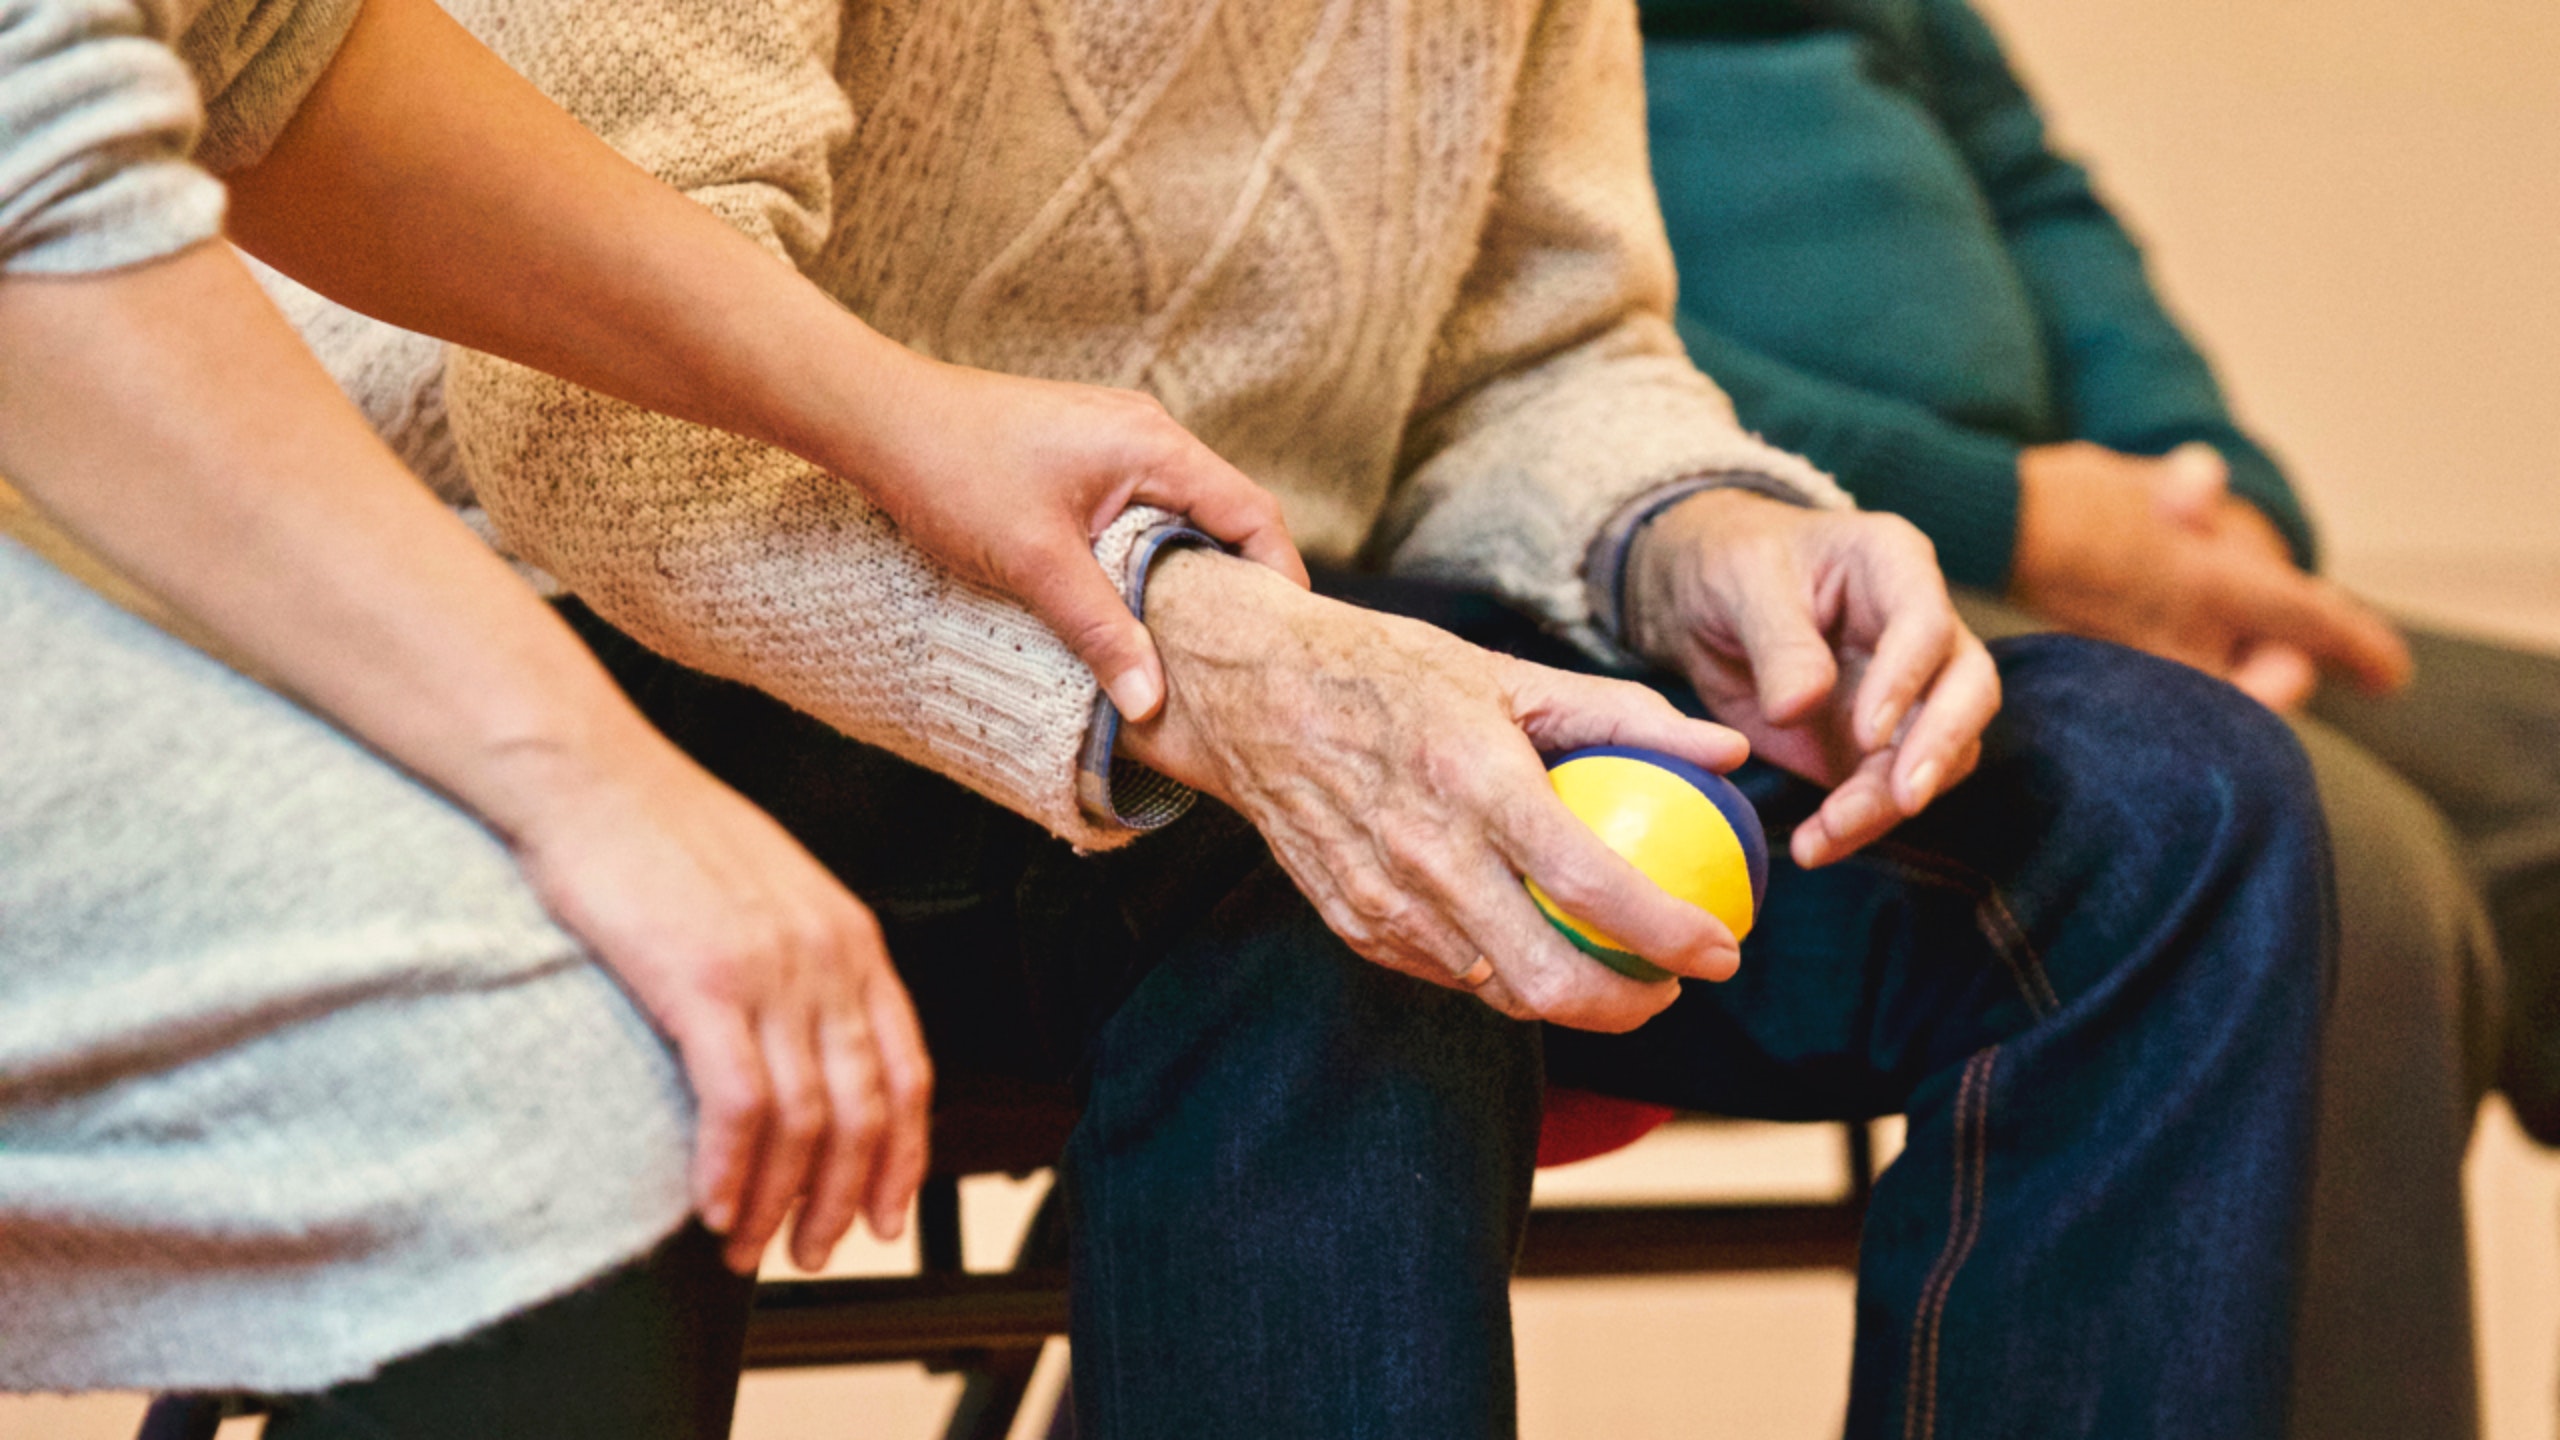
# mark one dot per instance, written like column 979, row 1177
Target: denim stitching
column 1991, row 915
column 1964, row 1227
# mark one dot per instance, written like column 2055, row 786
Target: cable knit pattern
column 1399, row 260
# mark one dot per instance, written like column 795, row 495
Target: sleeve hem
column 1113, row 790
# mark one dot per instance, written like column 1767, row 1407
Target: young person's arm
column 166, row 415
column 424, row 183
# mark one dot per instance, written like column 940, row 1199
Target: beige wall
column 2357, row 204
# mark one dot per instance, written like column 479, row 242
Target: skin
column 1395, row 769
column 272, row 517
column 2158, row 555
column 168, row 417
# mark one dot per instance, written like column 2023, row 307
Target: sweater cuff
column 1113, row 790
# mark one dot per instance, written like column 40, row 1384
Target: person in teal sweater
column 1890, row 271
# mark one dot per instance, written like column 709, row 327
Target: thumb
column 1214, row 495
column 2189, row 484
column 1071, row 595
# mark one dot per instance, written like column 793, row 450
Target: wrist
column 1218, row 623
column 2048, row 548
column 1661, row 568
column 560, row 771
column 850, row 398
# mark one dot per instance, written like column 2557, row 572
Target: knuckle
column 909, row 1087
column 1370, row 895
column 801, row 1114
column 737, row 1102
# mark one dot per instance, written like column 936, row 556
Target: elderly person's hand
column 2158, row 555
column 1395, row 772
column 1826, row 637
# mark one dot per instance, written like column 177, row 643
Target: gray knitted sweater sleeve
column 113, row 111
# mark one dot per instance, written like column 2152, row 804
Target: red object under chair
column 1580, row 1125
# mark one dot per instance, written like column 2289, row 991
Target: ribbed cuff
column 1111, row 788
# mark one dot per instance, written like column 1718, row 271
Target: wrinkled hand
column 1826, row 637
column 806, row 1063
column 1008, row 480
column 2158, row 555
column 1395, row 772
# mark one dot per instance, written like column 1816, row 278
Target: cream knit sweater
column 1399, row 260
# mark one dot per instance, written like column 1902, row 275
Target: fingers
column 1938, row 747
column 1562, row 711
column 2189, row 484
column 841, row 1176
column 791, row 1137
column 1217, row 497
column 906, row 1078
column 1930, row 755
column 2277, row 676
column 1919, row 640
column 1792, row 668
column 1544, row 841
column 2319, row 619
column 1857, row 812
column 1066, row 588
column 730, row 1094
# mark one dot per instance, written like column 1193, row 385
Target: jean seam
column 1992, row 915
column 1964, row 1227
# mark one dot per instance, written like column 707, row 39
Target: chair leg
column 1062, row 1421
column 993, row 1396
column 182, row 1417
column 992, row 1399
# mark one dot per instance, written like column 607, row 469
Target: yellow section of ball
column 1672, row 834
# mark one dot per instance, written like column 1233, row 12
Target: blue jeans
column 2091, row 975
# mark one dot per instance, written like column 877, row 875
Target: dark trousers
column 2091, row 976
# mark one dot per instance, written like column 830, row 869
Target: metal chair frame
column 991, row 1326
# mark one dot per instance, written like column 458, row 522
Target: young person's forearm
column 427, row 185
column 167, row 417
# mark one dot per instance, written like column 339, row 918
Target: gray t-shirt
column 116, row 114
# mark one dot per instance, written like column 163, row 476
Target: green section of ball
column 1634, row 967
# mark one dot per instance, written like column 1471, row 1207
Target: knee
column 2161, row 757
column 2418, row 974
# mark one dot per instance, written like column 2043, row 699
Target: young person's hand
column 2158, row 555
column 1007, row 480
column 808, row 1071
column 1395, row 771
column 1827, row 637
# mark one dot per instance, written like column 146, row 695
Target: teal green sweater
column 1890, row 271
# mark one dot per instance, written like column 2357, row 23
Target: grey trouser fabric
column 2386, row 1346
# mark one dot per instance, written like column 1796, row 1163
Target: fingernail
column 1880, row 725
column 1924, row 784
column 718, row 1216
column 1135, row 693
